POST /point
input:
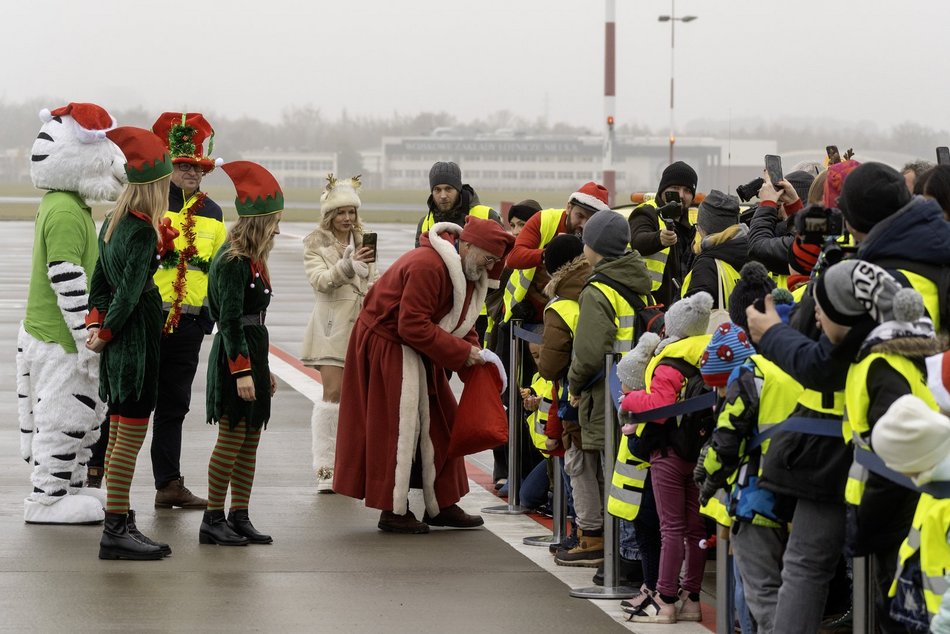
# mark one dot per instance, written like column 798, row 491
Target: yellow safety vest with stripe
column 623, row 317
column 478, row 211
column 626, row 484
column 656, row 262
column 928, row 536
column 928, row 290
column 778, row 397
column 856, row 402
column 728, row 276
column 537, row 419
column 568, row 309
column 210, row 234
column 520, row 280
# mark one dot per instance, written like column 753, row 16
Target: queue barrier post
column 514, row 421
column 725, row 583
column 610, row 589
column 558, row 512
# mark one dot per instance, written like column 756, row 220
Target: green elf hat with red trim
column 258, row 193
column 146, row 159
column 184, row 134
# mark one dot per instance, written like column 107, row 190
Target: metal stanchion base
column 505, row 509
column 601, row 592
column 539, row 540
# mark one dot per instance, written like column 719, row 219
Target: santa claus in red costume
column 397, row 413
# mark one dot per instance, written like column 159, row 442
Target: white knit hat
column 339, row 194
column 911, row 438
column 938, row 379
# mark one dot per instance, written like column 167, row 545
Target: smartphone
column 943, row 155
column 833, row 155
column 773, row 167
column 369, row 240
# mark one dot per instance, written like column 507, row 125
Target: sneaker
column 588, row 553
column 633, row 605
column 687, row 609
column 655, row 610
column 565, row 544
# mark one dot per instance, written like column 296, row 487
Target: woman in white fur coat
column 340, row 269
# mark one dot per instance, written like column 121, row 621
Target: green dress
column 123, row 292
column 238, row 294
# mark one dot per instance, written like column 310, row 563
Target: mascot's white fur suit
column 57, row 377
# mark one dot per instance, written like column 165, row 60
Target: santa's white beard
column 473, row 272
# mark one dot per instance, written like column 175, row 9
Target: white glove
column 346, row 262
column 490, row 357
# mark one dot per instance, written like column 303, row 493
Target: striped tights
column 233, row 463
column 126, row 436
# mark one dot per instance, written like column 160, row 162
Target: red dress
column 397, row 407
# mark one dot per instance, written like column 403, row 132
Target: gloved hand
column 346, row 262
column 490, row 357
column 707, row 492
column 699, row 471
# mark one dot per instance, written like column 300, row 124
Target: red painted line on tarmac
column 288, row 358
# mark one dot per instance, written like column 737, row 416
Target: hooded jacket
column 595, row 336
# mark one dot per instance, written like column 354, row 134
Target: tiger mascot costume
column 57, row 377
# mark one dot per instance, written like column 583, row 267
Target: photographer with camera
column 772, row 228
column 666, row 247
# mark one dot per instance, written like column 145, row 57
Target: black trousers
column 178, row 364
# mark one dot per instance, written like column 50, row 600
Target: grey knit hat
column 853, row 288
column 607, row 233
column 689, row 316
column 717, row 212
column 445, row 173
column 800, row 180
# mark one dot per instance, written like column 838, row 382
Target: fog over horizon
column 742, row 63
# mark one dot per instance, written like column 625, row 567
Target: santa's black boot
column 118, row 543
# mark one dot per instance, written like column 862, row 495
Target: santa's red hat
column 184, row 134
column 592, row 197
column 92, row 121
column 488, row 235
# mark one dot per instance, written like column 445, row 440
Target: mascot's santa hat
column 92, row 121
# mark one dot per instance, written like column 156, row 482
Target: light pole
column 672, row 19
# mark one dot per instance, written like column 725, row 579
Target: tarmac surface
column 329, row 569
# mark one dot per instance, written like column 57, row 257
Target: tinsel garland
column 189, row 252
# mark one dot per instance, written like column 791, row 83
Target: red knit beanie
column 803, row 257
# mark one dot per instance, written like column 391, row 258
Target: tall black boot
column 215, row 530
column 137, row 534
column 118, row 543
column 240, row 523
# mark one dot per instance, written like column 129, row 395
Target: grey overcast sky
column 884, row 62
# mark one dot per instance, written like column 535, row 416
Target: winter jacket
column 770, row 237
column 596, row 331
column 803, row 465
column 665, row 390
column 644, row 224
column 467, row 199
column 558, row 340
column 337, row 298
column 705, row 273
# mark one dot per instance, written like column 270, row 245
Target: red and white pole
column 610, row 99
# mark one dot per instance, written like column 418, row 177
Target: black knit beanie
column 753, row 284
column 445, row 173
column 561, row 250
column 871, row 193
column 678, row 173
column 524, row 210
column 717, row 212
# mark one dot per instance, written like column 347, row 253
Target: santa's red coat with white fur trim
column 397, row 406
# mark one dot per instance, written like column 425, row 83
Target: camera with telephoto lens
column 750, row 190
column 671, row 210
column 815, row 224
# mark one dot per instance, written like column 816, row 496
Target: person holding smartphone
column 340, row 264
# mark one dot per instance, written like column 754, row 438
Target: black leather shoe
column 240, row 523
column 453, row 517
column 137, row 534
column 117, row 543
column 215, row 530
column 406, row 524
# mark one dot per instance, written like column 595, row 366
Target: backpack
column 645, row 318
column 687, row 435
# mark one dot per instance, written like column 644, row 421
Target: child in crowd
column 672, row 455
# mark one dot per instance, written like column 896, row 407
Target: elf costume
column 57, row 377
column 239, row 292
column 126, row 310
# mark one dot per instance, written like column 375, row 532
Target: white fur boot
column 323, row 426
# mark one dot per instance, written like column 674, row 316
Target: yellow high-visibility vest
column 478, row 211
column 928, row 536
column 520, row 280
column 537, row 419
column 728, row 276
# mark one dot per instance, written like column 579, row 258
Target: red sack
column 481, row 421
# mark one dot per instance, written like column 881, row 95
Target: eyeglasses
column 188, row 167
column 491, row 260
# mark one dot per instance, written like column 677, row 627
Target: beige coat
column 338, row 298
